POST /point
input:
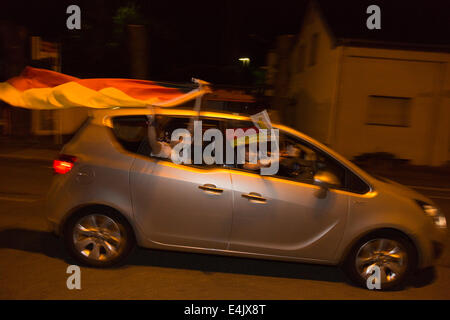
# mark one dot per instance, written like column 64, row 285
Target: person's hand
column 265, row 162
column 150, row 120
column 151, row 116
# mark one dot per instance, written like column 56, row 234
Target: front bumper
column 438, row 249
column 432, row 245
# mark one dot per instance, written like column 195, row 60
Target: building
column 365, row 91
column 17, row 49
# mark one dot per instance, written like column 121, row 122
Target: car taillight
column 63, row 164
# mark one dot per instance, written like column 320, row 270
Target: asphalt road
column 33, row 263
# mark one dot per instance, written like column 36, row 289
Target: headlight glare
column 433, row 212
column 430, row 210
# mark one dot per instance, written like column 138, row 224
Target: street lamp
column 245, row 61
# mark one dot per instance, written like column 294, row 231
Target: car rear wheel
column 388, row 255
column 98, row 237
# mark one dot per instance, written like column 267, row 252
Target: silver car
column 109, row 193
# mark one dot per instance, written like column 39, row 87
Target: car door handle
column 210, row 188
column 253, row 196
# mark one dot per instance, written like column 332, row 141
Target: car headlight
column 433, row 212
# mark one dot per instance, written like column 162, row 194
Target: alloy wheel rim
column 97, row 237
column 387, row 254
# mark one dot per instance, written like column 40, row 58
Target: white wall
column 421, row 76
column 332, row 97
column 314, row 88
column 65, row 121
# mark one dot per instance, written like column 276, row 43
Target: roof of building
column 404, row 23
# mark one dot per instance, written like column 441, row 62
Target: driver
column 297, row 162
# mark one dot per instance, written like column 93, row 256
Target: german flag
column 46, row 89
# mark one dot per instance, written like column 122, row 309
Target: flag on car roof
column 46, row 89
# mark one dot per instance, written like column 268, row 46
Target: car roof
column 100, row 114
column 104, row 116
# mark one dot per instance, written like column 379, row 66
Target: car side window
column 237, row 135
column 298, row 160
column 130, row 131
column 307, row 160
column 166, row 125
column 355, row 184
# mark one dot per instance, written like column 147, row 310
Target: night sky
column 205, row 38
column 186, row 38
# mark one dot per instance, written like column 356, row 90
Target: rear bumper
column 52, row 227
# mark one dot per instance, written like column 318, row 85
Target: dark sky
column 205, row 38
column 265, row 17
column 402, row 21
column 182, row 34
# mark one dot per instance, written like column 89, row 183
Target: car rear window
column 130, row 131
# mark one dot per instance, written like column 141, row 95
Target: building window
column 389, row 111
column 301, row 58
column 313, row 49
column 46, row 120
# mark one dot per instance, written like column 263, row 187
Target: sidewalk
column 28, row 149
column 30, row 154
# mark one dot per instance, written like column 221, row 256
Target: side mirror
column 325, row 180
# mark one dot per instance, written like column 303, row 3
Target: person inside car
column 159, row 133
column 160, row 149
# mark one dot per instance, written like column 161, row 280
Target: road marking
column 430, row 188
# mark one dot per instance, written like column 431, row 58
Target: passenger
column 159, row 149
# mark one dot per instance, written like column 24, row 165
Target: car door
column 285, row 216
column 182, row 205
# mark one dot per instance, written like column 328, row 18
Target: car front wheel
column 387, row 258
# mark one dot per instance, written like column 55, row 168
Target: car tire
column 98, row 237
column 391, row 251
